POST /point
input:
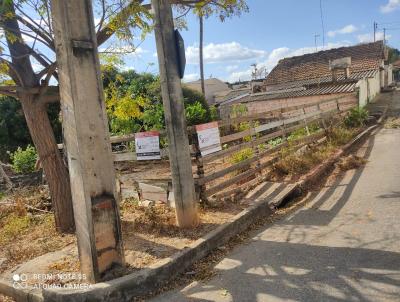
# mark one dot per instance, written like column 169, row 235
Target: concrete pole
column 87, row 138
column 179, row 153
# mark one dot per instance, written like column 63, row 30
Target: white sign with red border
column 147, row 145
column 209, row 138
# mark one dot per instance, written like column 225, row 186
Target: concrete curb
column 142, row 282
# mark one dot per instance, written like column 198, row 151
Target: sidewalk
column 344, row 245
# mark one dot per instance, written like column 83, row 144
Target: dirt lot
column 149, row 232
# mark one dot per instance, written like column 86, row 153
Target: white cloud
column 244, row 75
column 224, row 52
column 348, row 29
column 276, row 55
column 190, row 77
column 390, row 6
column 369, row 37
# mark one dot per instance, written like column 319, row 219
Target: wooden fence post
column 201, row 188
column 305, row 121
column 256, row 147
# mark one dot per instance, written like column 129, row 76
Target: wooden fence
column 263, row 128
column 215, row 173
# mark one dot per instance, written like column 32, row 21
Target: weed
column 276, row 141
column 242, row 155
column 24, row 161
column 297, row 164
column 338, row 136
column 299, row 133
column 356, row 117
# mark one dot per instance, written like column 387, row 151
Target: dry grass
column 294, row 164
column 25, row 234
column 339, row 136
column 351, row 162
column 392, row 123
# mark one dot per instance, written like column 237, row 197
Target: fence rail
column 216, row 175
column 263, row 128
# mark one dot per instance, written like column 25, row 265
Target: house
column 212, row 87
column 356, row 72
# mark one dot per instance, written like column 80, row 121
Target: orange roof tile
column 315, row 65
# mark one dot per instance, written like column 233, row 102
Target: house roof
column 354, row 76
column 345, row 86
column 396, row 64
column 316, row 65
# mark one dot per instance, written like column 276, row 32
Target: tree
column 206, row 8
column 27, row 39
column 134, row 102
column 28, row 67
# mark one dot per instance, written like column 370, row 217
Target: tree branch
column 39, row 31
column 104, row 34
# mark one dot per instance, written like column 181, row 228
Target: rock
column 147, row 203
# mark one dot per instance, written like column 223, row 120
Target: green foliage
column 24, row 161
column 356, row 117
column 301, row 132
column 275, row 141
column 222, row 8
column 241, row 155
column 134, row 102
column 196, row 114
column 394, row 55
column 214, row 115
column 13, row 129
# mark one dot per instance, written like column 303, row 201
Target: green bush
column 196, row 114
column 356, row 117
column 24, row 161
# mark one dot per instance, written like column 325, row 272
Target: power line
column 322, row 23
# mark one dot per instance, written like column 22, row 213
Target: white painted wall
column 368, row 89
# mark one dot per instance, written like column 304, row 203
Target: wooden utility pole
column 203, row 89
column 87, row 138
column 178, row 143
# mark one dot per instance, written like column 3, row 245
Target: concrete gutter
column 140, row 283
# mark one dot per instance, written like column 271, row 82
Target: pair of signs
column 148, row 143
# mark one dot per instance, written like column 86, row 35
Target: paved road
column 342, row 246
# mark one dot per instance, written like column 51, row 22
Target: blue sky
column 272, row 30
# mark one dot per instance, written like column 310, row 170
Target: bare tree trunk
column 39, row 125
column 56, row 172
column 203, row 90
